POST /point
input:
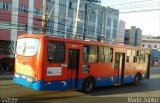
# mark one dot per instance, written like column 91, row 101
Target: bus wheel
column 137, row 80
column 88, row 85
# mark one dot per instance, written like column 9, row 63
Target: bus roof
column 89, row 42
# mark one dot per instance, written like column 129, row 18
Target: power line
column 138, row 7
column 131, row 2
column 149, row 10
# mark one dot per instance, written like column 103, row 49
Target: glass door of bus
column 119, row 68
column 73, row 67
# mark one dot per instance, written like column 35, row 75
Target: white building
column 151, row 42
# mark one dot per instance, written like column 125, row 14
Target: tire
column 137, row 80
column 88, row 85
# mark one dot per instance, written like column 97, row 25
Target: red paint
column 24, row 2
column 38, row 4
column 5, row 16
column 6, row 1
column 23, row 18
column 96, row 69
column 37, row 22
column 4, row 34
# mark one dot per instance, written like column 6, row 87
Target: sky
column 148, row 21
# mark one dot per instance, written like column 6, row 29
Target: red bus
column 53, row 63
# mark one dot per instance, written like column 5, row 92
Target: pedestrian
column 1, row 66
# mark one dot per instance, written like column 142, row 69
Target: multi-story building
column 154, row 44
column 17, row 17
column 151, row 42
column 25, row 16
column 121, row 32
column 133, row 36
column 93, row 19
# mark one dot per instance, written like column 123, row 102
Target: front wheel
column 88, row 85
column 137, row 80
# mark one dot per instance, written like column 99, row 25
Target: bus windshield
column 27, row 46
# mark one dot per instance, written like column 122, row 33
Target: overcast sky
column 148, row 21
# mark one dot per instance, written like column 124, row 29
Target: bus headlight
column 29, row 79
column 16, row 75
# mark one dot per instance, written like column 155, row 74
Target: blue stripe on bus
column 65, row 84
column 52, row 85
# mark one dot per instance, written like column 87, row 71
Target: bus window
column 105, row 54
column 27, row 46
column 56, row 52
column 131, row 56
column 108, row 54
column 101, row 54
column 140, row 57
column 90, row 53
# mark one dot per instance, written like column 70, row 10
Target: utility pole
column 44, row 17
column 76, row 20
column 85, row 20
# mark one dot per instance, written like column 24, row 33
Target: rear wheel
column 137, row 80
column 88, row 85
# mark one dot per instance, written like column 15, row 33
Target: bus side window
column 90, row 53
column 108, row 54
column 131, row 56
column 56, row 52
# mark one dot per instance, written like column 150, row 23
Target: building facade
column 25, row 16
column 154, row 44
column 133, row 36
column 151, row 42
column 17, row 17
column 121, row 32
column 93, row 20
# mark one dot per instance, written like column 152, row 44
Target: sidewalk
column 155, row 67
column 6, row 76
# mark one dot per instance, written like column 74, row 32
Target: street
column 120, row 94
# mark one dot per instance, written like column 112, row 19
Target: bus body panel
column 66, row 78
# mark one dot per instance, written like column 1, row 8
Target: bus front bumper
column 43, row 85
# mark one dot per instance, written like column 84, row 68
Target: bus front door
column 73, row 67
column 119, row 68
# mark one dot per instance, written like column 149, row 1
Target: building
column 133, row 36
column 154, row 44
column 25, row 16
column 17, row 17
column 121, row 32
column 93, row 20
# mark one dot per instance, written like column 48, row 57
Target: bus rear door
column 119, row 68
column 73, row 67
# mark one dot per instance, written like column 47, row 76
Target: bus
column 53, row 63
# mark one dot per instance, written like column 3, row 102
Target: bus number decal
column 54, row 71
column 85, row 68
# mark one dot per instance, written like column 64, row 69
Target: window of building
column 108, row 32
column 82, row 7
column 149, row 46
column 38, row 12
column 155, row 46
column 109, row 21
column 51, row 0
column 105, row 54
column 6, row 47
column 143, row 45
column 90, row 53
column 23, row 8
column 56, row 52
column 5, row 6
column 71, row 5
column 115, row 22
column 62, row 2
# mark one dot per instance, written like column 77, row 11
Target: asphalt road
column 114, row 94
